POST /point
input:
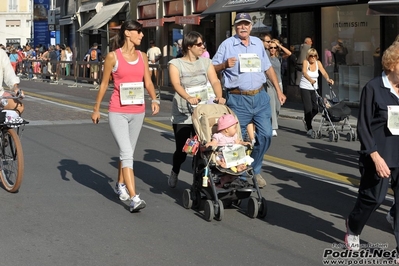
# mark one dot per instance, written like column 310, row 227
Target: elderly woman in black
column 379, row 150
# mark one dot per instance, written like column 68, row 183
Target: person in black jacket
column 378, row 133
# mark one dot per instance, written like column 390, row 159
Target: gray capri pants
column 126, row 129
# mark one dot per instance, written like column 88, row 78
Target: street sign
column 51, row 16
column 51, row 27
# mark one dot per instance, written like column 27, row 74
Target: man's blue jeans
column 255, row 109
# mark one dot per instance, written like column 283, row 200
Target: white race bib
column 234, row 155
column 132, row 93
column 249, row 63
column 200, row 92
column 393, row 119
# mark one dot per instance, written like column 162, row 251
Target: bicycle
column 11, row 154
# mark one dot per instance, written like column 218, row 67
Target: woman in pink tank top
column 130, row 72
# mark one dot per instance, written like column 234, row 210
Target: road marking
column 268, row 160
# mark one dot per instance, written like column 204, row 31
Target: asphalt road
column 66, row 212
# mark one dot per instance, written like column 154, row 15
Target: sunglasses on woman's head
column 273, row 47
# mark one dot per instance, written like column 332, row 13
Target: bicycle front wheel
column 11, row 161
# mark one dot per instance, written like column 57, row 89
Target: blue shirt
column 232, row 47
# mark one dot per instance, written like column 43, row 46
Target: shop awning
column 67, row 20
column 223, row 6
column 385, row 6
column 105, row 14
column 281, row 4
column 90, row 6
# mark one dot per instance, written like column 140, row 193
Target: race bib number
column 200, row 92
column 234, row 155
column 132, row 93
column 393, row 119
column 249, row 63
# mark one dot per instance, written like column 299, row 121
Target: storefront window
column 350, row 45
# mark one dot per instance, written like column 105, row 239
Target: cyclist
column 9, row 77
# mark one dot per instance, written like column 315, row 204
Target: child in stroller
column 227, row 135
column 206, row 190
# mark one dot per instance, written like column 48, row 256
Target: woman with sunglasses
column 130, row 72
column 276, row 59
column 310, row 73
column 189, row 76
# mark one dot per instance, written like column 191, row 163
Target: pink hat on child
column 226, row 121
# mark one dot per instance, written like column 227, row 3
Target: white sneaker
column 172, row 180
column 274, row 133
column 310, row 131
column 352, row 241
column 122, row 191
column 137, row 204
column 390, row 219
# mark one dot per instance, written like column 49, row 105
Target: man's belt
column 238, row 91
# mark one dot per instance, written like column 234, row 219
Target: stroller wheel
column 318, row 134
column 336, row 137
column 331, row 136
column 253, row 207
column 187, row 201
column 219, row 211
column 209, row 211
column 349, row 136
column 262, row 208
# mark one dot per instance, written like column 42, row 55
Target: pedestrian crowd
column 53, row 62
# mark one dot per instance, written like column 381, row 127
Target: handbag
column 191, row 146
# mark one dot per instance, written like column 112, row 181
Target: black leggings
column 310, row 106
column 182, row 133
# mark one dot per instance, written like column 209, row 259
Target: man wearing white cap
column 244, row 63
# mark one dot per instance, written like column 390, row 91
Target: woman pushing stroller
column 310, row 72
column 189, row 76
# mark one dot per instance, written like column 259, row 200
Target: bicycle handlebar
column 18, row 95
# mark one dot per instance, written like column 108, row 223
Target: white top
column 68, row 56
column 152, row 54
column 7, row 73
column 305, row 84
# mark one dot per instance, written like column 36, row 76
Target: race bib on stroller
column 234, row 155
column 393, row 119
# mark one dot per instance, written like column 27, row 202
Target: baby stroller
column 207, row 190
column 334, row 114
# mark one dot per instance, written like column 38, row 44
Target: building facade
column 16, row 18
column 364, row 33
